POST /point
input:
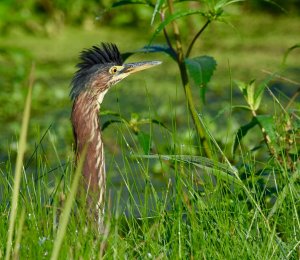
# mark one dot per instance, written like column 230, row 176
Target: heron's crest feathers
column 90, row 61
column 102, row 54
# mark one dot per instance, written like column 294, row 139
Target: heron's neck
column 87, row 133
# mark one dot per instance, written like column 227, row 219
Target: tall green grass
column 18, row 171
column 192, row 215
column 191, row 208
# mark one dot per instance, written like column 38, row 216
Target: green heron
column 100, row 67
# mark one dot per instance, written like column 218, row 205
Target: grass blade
column 64, row 219
column 219, row 169
column 282, row 196
column 19, row 166
column 19, row 235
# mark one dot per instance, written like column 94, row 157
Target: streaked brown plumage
column 100, row 68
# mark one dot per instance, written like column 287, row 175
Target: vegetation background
column 156, row 208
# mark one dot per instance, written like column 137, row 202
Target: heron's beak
column 130, row 68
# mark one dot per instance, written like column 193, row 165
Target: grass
column 18, row 171
column 158, row 208
column 194, row 216
column 212, row 220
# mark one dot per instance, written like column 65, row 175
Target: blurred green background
column 51, row 34
column 174, row 204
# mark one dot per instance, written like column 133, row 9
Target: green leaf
column 119, row 118
column 157, row 122
column 249, row 93
column 173, row 17
column 241, row 107
column 109, row 113
column 223, row 3
column 151, row 49
column 157, row 7
column 109, row 122
column 242, row 131
column 129, row 2
column 201, row 69
column 260, row 91
column 243, row 87
column 267, row 122
column 145, row 141
column 286, row 54
column 220, row 170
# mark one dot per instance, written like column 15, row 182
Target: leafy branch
column 197, row 70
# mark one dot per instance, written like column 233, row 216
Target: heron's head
column 101, row 67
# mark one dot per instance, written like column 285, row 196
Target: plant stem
column 193, row 111
column 196, row 37
column 180, row 57
column 186, row 85
column 162, row 17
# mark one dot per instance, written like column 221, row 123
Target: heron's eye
column 113, row 70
